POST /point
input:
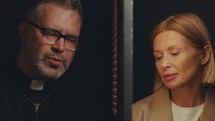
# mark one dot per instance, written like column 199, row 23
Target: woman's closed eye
column 158, row 57
column 174, row 53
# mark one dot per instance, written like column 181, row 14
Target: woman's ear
column 205, row 55
column 23, row 32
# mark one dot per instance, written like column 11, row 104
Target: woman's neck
column 188, row 97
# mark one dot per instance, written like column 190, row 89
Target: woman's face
column 178, row 63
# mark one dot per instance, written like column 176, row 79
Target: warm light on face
column 177, row 62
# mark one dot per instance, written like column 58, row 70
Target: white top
column 186, row 113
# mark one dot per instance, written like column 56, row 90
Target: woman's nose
column 166, row 63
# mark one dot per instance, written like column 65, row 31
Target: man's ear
column 205, row 55
column 23, row 32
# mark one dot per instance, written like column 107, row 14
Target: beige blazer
column 157, row 107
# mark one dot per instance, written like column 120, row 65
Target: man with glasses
column 49, row 38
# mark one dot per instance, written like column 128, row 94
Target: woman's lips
column 169, row 77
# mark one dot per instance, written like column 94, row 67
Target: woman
column 185, row 66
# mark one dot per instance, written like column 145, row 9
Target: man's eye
column 72, row 39
column 51, row 33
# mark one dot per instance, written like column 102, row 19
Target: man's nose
column 59, row 45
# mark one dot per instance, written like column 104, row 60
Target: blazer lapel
column 161, row 110
column 208, row 113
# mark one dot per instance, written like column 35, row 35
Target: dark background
column 147, row 14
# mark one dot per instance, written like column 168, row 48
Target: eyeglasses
column 54, row 35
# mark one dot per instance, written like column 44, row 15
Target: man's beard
column 41, row 71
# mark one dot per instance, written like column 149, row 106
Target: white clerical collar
column 37, row 85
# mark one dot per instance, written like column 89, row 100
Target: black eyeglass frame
column 65, row 37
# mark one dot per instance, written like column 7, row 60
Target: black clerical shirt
column 54, row 103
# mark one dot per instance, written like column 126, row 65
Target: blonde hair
column 193, row 28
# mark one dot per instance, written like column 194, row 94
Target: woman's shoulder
column 147, row 102
column 143, row 103
column 141, row 109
